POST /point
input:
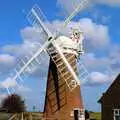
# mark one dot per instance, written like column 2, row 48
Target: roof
column 69, row 45
column 114, row 85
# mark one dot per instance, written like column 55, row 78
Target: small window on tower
column 78, row 114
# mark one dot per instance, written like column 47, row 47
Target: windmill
column 63, row 52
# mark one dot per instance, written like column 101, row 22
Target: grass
column 95, row 115
column 4, row 116
column 35, row 115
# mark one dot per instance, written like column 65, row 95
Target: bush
column 13, row 104
column 87, row 116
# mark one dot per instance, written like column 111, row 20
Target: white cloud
column 93, row 41
column 32, row 37
column 97, row 78
column 90, row 29
column 32, row 40
column 9, row 83
column 13, row 84
column 6, row 59
column 21, row 50
column 93, row 62
column 22, row 88
column 33, row 34
column 108, row 66
column 97, row 35
column 6, row 62
column 115, row 58
column 31, row 43
column 98, row 69
column 2, row 96
column 69, row 6
column 113, row 3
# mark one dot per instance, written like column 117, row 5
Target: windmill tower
column 63, row 97
column 60, row 102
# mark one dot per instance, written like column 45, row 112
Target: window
column 79, row 114
column 116, row 114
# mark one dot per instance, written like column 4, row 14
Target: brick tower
column 60, row 102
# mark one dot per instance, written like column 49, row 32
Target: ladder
column 62, row 67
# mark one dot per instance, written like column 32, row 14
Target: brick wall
column 60, row 101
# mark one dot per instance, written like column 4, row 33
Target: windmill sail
column 68, row 7
column 83, row 72
column 37, row 19
column 27, row 66
column 72, row 8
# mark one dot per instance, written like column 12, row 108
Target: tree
column 13, row 104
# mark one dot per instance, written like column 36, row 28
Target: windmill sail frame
column 37, row 22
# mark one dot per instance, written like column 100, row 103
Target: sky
column 99, row 20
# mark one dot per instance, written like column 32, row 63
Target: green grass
column 95, row 115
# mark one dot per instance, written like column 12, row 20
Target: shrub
column 13, row 104
column 87, row 116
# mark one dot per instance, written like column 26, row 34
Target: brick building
column 110, row 101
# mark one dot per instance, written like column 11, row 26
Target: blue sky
column 100, row 23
